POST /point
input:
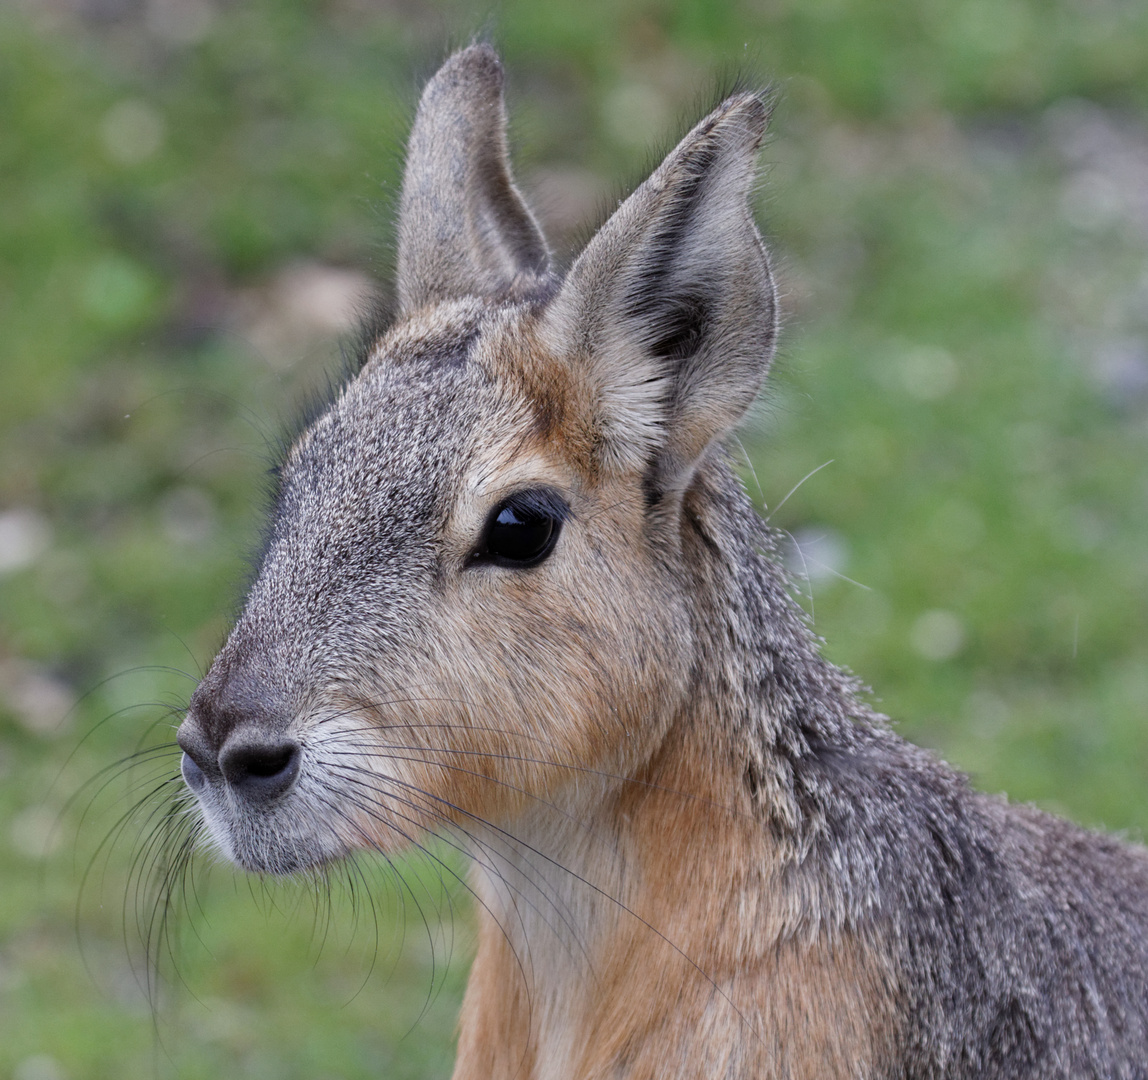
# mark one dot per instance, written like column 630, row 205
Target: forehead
column 435, row 393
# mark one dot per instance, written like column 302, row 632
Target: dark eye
column 523, row 529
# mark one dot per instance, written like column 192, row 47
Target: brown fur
column 673, row 962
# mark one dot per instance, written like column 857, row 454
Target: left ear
column 669, row 312
column 463, row 227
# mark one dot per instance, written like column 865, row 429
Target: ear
column 669, row 312
column 463, row 228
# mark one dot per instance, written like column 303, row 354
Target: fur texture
column 697, row 851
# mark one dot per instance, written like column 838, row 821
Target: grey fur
column 1016, row 944
column 1022, row 940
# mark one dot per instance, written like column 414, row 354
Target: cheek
column 544, row 676
column 519, row 690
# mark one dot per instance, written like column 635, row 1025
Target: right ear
column 463, row 227
column 669, row 314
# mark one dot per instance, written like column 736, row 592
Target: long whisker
column 605, row 894
column 374, row 748
column 411, row 840
column 462, row 725
column 793, row 490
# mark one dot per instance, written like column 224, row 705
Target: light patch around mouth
column 341, row 803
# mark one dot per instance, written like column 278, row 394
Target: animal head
column 474, row 592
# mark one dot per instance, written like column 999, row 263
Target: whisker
column 793, row 490
column 412, row 841
column 368, row 808
column 373, row 749
column 606, row 895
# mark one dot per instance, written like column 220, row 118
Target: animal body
column 513, row 594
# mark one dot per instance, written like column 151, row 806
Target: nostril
column 260, row 769
column 271, row 763
column 193, row 775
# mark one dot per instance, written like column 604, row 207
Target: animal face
column 474, row 596
column 454, row 614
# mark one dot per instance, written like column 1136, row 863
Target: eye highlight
column 522, row 530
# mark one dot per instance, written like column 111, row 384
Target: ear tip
column 751, row 110
column 476, row 64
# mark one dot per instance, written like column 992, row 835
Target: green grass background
column 957, row 195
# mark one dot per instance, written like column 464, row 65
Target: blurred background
column 195, row 195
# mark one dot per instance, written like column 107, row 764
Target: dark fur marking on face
column 439, row 353
column 549, row 413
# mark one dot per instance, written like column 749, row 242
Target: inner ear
column 681, row 324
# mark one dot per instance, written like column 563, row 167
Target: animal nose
column 260, row 769
column 234, row 734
